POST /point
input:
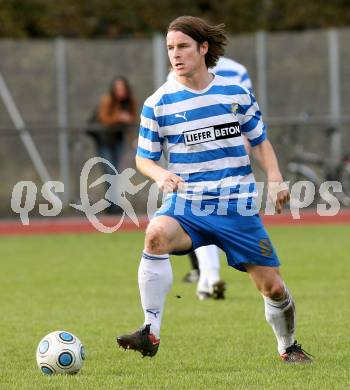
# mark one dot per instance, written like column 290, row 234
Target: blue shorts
column 243, row 238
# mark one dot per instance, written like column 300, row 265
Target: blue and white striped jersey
column 233, row 70
column 200, row 134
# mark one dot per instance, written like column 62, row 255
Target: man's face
column 185, row 54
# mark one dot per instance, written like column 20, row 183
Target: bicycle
column 312, row 167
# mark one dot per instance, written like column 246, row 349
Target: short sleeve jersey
column 200, row 135
column 234, row 71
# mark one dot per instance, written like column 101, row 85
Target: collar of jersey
column 198, row 92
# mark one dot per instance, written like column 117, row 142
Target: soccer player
column 197, row 120
column 209, row 283
column 205, row 260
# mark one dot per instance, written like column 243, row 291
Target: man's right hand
column 166, row 181
column 169, row 182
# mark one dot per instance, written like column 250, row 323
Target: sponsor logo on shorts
column 213, row 133
column 265, row 247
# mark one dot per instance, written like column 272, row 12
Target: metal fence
column 49, row 88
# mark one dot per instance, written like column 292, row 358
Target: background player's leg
column 193, row 275
column 279, row 305
column 209, row 265
column 194, row 260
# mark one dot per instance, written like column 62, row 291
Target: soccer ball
column 60, row 353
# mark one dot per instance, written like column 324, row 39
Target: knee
column 274, row 290
column 156, row 240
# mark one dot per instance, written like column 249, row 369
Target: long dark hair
column 128, row 102
column 199, row 30
column 115, row 99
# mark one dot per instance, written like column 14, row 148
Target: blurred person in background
column 111, row 123
column 234, row 71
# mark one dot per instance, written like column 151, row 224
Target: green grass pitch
column 87, row 284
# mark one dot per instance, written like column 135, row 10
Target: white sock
column 281, row 316
column 155, row 278
column 209, row 266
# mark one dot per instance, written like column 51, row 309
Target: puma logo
column 155, row 313
column 183, row 116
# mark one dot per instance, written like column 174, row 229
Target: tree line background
column 118, row 18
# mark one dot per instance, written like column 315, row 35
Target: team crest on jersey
column 234, row 108
column 213, row 133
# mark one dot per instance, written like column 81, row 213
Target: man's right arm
column 150, row 168
column 167, row 181
column 149, row 151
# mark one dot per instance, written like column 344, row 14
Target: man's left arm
column 266, row 157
